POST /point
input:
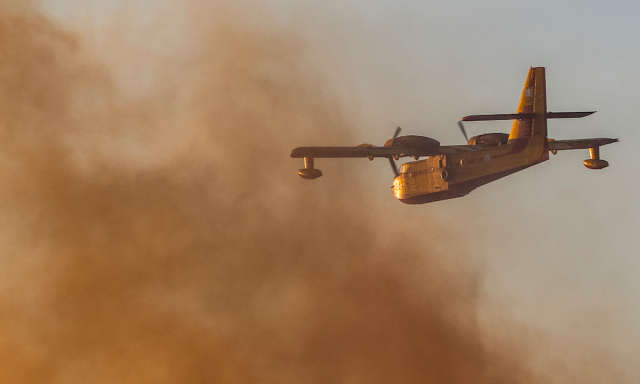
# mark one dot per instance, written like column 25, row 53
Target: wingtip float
column 455, row 170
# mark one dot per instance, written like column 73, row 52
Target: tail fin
column 533, row 101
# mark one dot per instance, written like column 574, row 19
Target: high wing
column 401, row 151
column 361, row 151
column 561, row 145
column 372, row 152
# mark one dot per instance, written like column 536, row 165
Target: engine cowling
column 489, row 139
column 423, row 143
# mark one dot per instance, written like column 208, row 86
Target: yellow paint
column 527, row 146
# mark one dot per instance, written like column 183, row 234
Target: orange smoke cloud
column 166, row 238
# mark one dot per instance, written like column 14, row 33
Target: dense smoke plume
column 158, row 233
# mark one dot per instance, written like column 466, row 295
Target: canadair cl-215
column 455, row 170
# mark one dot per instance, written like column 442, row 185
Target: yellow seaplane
column 455, row 170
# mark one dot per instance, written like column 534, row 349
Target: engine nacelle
column 423, row 143
column 595, row 162
column 489, row 139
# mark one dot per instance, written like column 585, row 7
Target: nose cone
column 398, row 187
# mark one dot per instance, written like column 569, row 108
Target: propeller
column 394, row 167
column 397, row 132
column 464, row 132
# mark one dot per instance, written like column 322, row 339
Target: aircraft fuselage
column 454, row 175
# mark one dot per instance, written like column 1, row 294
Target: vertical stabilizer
column 533, row 100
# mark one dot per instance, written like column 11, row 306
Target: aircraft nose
column 397, row 187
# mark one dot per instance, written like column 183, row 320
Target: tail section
column 533, row 105
column 529, row 130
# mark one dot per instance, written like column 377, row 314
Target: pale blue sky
column 560, row 243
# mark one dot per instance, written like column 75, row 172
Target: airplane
column 455, row 170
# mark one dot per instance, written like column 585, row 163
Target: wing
column 361, row 151
column 400, row 151
column 560, row 145
column 372, row 152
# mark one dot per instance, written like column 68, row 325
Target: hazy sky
column 559, row 243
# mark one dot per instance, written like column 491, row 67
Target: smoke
column 154, row 229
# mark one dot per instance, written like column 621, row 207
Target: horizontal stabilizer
column 526, row 116
column 568, row 115
column 503, row 116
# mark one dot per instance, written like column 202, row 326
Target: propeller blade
column 463, row 130
column 397, row 132
column 394, row 166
